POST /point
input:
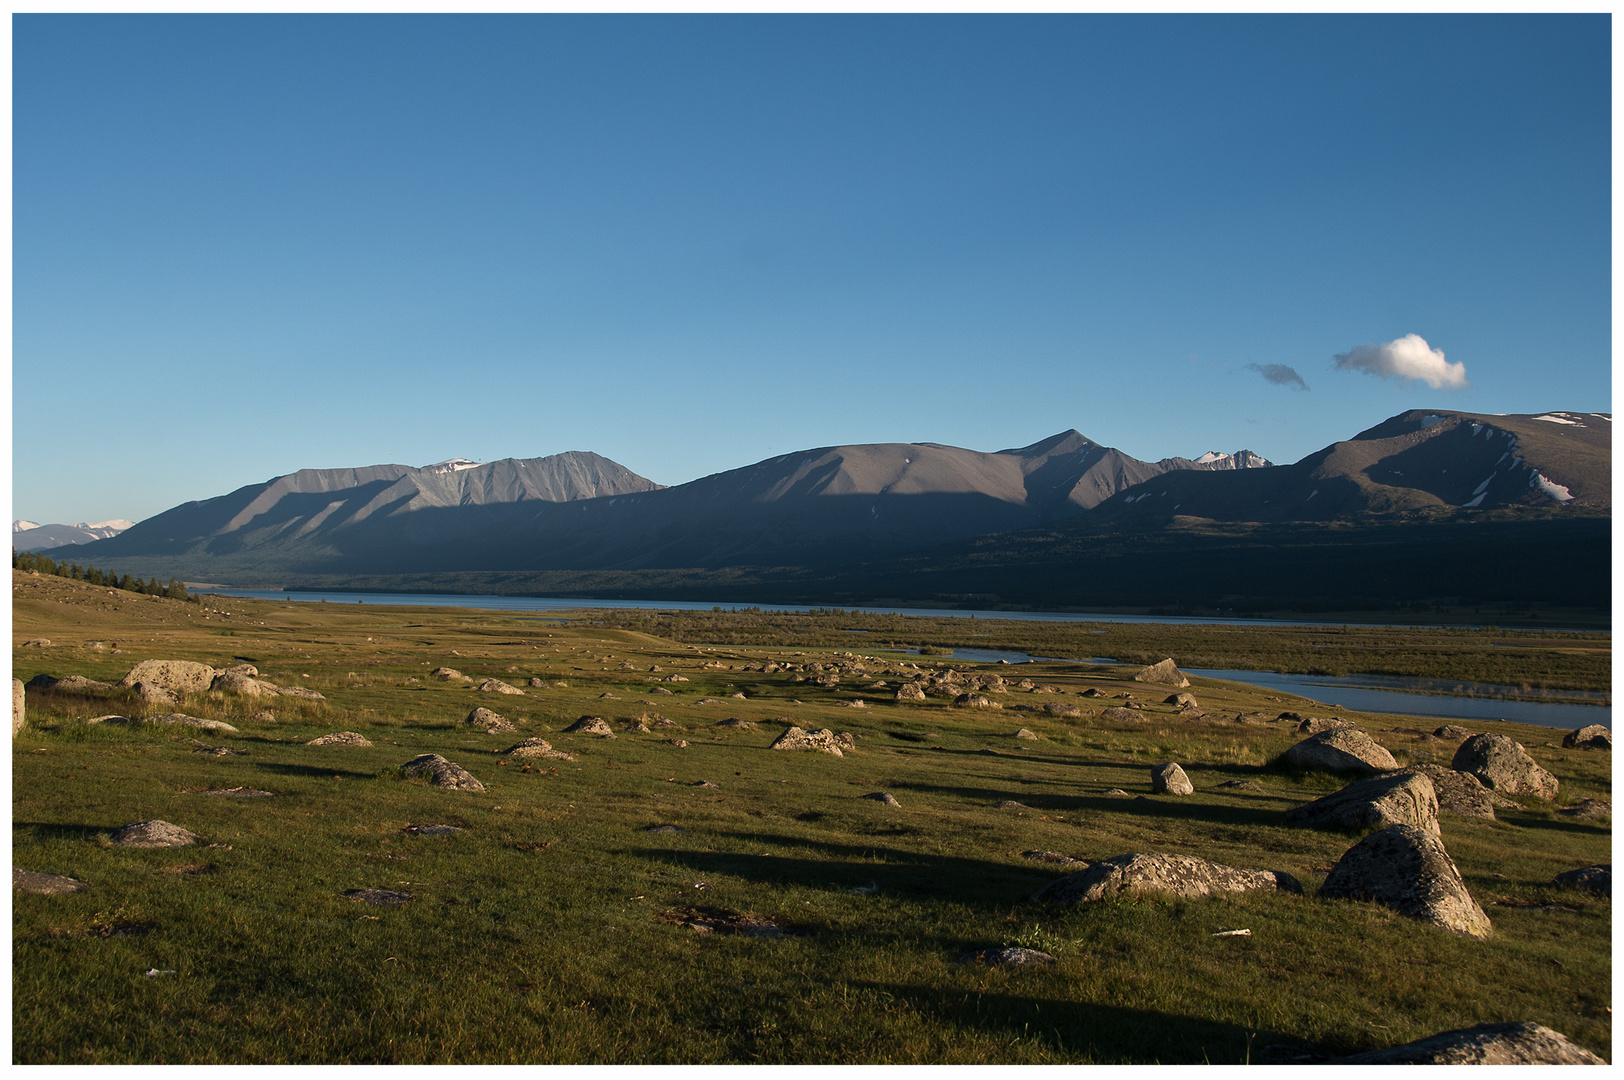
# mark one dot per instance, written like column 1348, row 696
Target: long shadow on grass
column 322, row 773
column 55, row 830
column 977, row 882
column 1146, row 807
column 1105, row 1033
column 1530, row 821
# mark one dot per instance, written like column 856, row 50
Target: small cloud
column 1409, row 357
column 1280, row 375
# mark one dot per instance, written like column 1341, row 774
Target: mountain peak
column 1066, row 442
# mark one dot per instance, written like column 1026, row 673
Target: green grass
column 534, row 934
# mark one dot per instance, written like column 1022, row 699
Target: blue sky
column 245, row 245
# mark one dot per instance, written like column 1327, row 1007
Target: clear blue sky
column 245, row 245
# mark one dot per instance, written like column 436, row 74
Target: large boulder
column 910, row 692
column 497, row 686
column 237, row 682
column 1408, row 870
column 1374, row 803
column 1592, row 737
column 823, row 740
column 1501, row 763
column 1596, row 879
column 1520, row 1043
column 153, row 694
column 1165, row 673
column 1313, row 725
column 591, row 725
column 19, row 699
column 1341, row 750
column 1167, row 875
column 441, row 773
column 153, row 834
column 1121, row 715
column 176, row 676
column 1169, row 779
column 487, row 721
column 1459, row 793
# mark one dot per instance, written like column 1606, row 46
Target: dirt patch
column 722, row 921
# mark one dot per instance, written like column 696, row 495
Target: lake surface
column 1367, row 693
column 545, row 603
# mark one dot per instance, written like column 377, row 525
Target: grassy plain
column 552, row 926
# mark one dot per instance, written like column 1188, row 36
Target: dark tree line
column 112, row 579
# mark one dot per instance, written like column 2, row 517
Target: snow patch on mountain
column 1554, row 490
column 455, row 464
column 1560, row 418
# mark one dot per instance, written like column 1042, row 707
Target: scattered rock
column 1341, row 750
column 1170, row 875
column 1290, row 717
column 1169, row 779
column 976, row 701
column 240, row 793
column 1054, row 857
column 665, row 829
column 712, row 920
column 1061, row 708
column 537, row 682
column 679, row 743
column 1092, row 692
column 340, row 738
column 1592, row 737
column 431, row 830
column 1408, row 870
column 18, row 707
column 153, row 834
column 1453, row 732
column 591, row 725
column 735, row 724
column 300, row 692
column 1182, row 699
column 882, row 797
column 1011, row 804
column 1589, row 809
column 1012, row 956
column 1121, row 715
column 704, row 784
column 1166, row 673
column 264, row 716
column 528, row 748
column 497, row 686
column 910, row 692
column 1519, row 1043
column 1313, row 725
column 607, row 696
column 449, row 675
column 822, row 739
column 1115, row 791
column 1242, row 785
column 235, row 682
column 1596, row 879
column 487, row 721
column 1461, row 794
column 378, row 897
column 37, row 643
column 1501, row 763
column 176, row 676
column 1405, row 798
column 442, row 773
column 637, row 727
column 31, row 881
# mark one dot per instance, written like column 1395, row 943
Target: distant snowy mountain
column 30, row 536
column 456, row 464
column 1240, row 459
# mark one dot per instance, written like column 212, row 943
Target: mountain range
column 830, row 510
column 32, row 536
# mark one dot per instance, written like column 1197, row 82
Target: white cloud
column 1409, row 357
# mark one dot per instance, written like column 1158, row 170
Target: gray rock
column 665, row 829
column 497, row 686
column 1408, row 870
column 591, row 725
column 1061, row 708
column 1591, row 737
column 1454, row 733
column 190, row 721
column 1460, row 794
column 1596, row 879
column 1165, row 673
column 447, row 674
column 236, row 682
column 1011, row 804
column 176, row 676
column 1398, row 799
column 1023, row 733
column 18, row 707
column 1012, row 956
column 822, row 740
column 1242, row 785
column 1182, row 699
column 1167, row 875
column 487, row 721
column 152, row 694
column 1169, row 779
column 442, row 773
column 340, row 738
column 537, row 682
column 80, row 684
column 1122, row 716
column 32, row 881
column 432, row 830
column 1341, row 750
column 976, row 701
column 881, row 796
column 1519, row 1043
column 153, row 834
column 910, row 692
column 1313, row 725
column 1501, row 763
column 1588, row 809
column 300, row 692
column 1056, row 858
column 37, row 643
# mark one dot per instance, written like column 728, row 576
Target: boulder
column 533, row 748
column 1341, row 750
column 1453, row 732
column 1407, row 869
column 822, row 740
column 1461, row 794
column 497, row 686
column 1011, row 956
column 31, row 881
column 176, row 676
column 1405, row 798
column 1056, row 858
column 449, row 675
column 74, row 683
column 976, row 701
column 881, row 797
column 1169, row 779
column 300, row 692
column 1592, row 737
column 1313, row 725
column 590, row 725
column 1061, row 708
column 236, row 682
column 1588, row 809
column 1596, row 879
column 1165, row 673
column 1501, row 763
column 152, row 694
column 1121, row 715
column 733, row 723
column 487, row 721
column 441, row 773
column 1181, row 699
column 19, row 700
column 537, row 682
column 340, row 738
column 190, row 721
column 1520, row 1043
column 910, row 692
column 153, row 834
column 1154, row 873
column 1023, row 733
